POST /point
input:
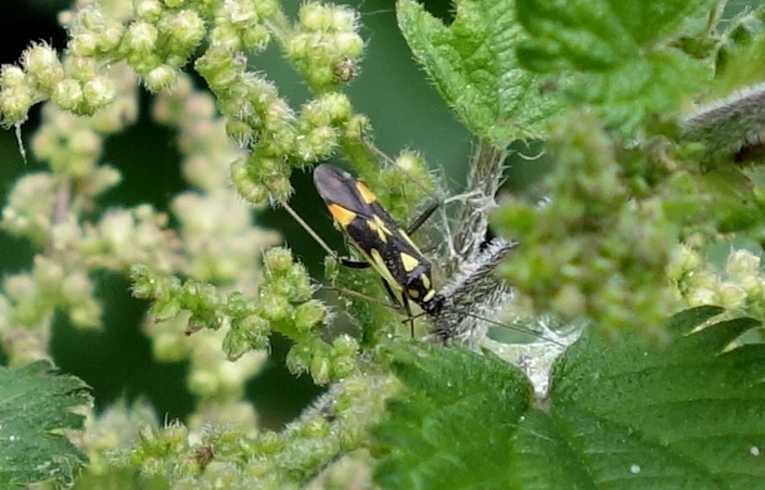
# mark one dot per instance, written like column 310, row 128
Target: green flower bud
column 110, row 37
column 309, row 314
column 316, row 427
column 239, row 131
column 256, row 38
column 185, row 28
column 318, row 144
column 253, row 192
column 299, row 358
column 315, row 16
column 41, row 63
column 203, row 383
column 82, row 68
column 161, row 78
column 98, row 92
column 148, row 10
column 141, row 37
column 12, row 76
column 343, row 367
column 165, row 309
column 344, row 345
column 278, row 260
column 169, row 347
column 280, row 188
column 321, row 370
column 174, row 3
column 348, row 44
column 731, row 295
column 274, row 307
column 83, row 44
column 15, row 104
column 742, row 263
column 300, row 282
column 225, row 37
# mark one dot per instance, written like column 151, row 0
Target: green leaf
column 619, row 415
column 35, row 401
column 474, row 66
column 458, row 407
column 617, row 54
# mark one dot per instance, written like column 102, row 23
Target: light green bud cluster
column 240, row 25
column 323, row 361
column 218, row 250
column 34, row 296
column 28, row 212
column 283, row 304
column 740, row 287
column 114, row 429
column 408, row 176
column 573, row 260
column 326, row 47
column 339, row 423
column 161, row 40
column 123, row 237
column 221, row 375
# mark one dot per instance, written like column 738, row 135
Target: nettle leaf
column 474, row 66
column 35, row 404
column 619, row 415
column 458, row 407
column 617, row 54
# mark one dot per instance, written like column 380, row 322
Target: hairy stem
column 483, row 182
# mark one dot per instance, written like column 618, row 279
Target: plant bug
column 386, row 246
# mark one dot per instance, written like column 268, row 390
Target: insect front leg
column 423, row 217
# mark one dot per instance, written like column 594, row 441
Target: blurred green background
column 406, row 112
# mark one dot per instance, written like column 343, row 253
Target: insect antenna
column 308, row 228
column 514, row 328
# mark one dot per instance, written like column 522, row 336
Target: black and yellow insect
column 385, row 245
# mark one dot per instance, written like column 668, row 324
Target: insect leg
column 350, row 292
column 408, row 309
column 423, row 217
column 354, row 264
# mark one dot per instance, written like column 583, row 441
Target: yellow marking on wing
column 379, row 264
column 425, row 281
column 409, row 240
column 409, row 262
column 341, row 215
column 366, row 194
column 378, row 226
column 429, row 296
column 413, row 293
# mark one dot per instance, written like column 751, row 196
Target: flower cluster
column 326, row 47
column 572, row 259
column 283, row 304
column 739, row 287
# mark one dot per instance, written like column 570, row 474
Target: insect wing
column 338, row 187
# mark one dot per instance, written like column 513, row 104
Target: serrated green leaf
column 35, row 401
column 474, row 66
column 617, row 54
column 620, row 415
column 459, row 406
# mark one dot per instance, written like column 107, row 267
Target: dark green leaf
column 620, row 415
column 474, row 66
column 35, row 401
